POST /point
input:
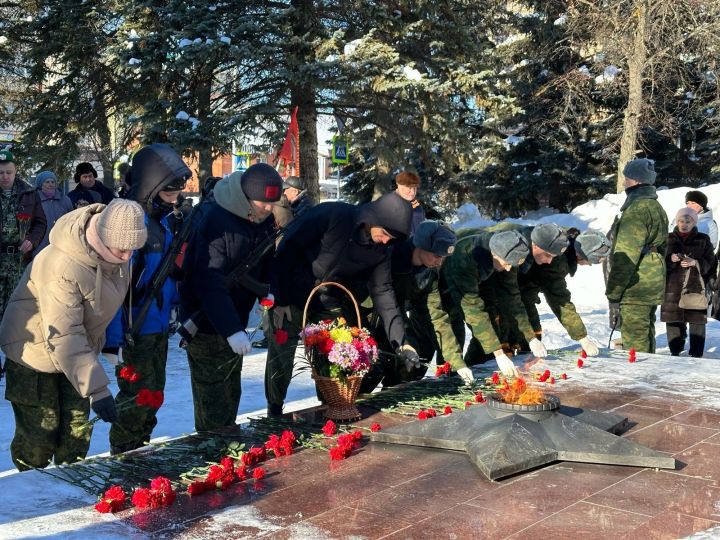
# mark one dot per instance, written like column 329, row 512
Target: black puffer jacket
column 329, row 243
column 153, row 167
column 697, row 246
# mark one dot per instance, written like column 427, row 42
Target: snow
column 608, row 75
column 411, row 73
column 351, row 47
column 182, row 115
column 41, row 506
column 134, row 61
column 225, row 40
column 184, row 42
column 3, row 40
column 561, row 20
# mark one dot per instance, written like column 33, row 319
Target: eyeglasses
column 175, row 185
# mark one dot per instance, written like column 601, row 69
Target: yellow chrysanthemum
column 341, row 335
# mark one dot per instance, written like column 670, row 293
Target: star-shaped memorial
column 504, row 439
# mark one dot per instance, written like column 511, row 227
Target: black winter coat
column 220, row 242
column 697, row 246
column 98, row 193
column 329, row 243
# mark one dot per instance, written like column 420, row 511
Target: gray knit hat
column 641, row 170
column 549, row 237
column 592, row 246
column 436, row 237
column 43, row 177
column 121, row 225
column 510, row 246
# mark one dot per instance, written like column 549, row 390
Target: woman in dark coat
column 687, row 251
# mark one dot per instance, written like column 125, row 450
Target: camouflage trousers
column 135, row 423
column 281, row 358
column 50, row 418
column 638, row 327
column 215, row 372
column 11, row 268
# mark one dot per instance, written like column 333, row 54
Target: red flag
column 290, row 151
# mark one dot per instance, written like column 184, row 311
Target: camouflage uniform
column 215, row 385
column 11, row 259
column 47, row 409
column 637, row 265
column 549, row 279
column 135, row 424
column 458, row 296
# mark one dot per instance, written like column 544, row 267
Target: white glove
column 466, row 375
column 411, row 357
column 589, row 346
column 112, row 359
column 537, row 348
column 239, row 343
column 505, row 365
column 280, row 313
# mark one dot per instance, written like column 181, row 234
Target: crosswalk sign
column 340, row 148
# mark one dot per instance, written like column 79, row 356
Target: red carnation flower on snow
column 552, row 380
column 583, row 354
column 563, row 376
column 422, row 415
column 329, row 429
column 468, row 404
column 447, row 410
column 496, row 378
column 112, row 501
column 375, row 427
column 580, row 362
column 281, row 336
column 479, row 398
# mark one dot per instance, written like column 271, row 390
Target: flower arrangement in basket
column 339, row 356
column 337, row 350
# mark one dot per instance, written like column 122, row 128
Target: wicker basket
column 339, row 396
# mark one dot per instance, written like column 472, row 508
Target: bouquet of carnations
column 335, row 349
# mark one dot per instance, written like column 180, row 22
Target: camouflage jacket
column 460, row 277
column 549, row 279
column 637, row 259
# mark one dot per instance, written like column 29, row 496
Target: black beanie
column 697, row 197
column 84, row 168
column 261, row 182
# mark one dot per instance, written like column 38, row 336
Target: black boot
column 274, row 410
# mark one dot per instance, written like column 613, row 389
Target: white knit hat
column 121, row 225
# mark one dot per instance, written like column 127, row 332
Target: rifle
column 238, row 277
column 158, row 279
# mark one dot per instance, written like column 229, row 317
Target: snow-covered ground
column 176, row 415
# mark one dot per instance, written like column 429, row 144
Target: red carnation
column 375, row 427
column 326, row 346
column 444, row 369
column 241, row 472
column 580, row 362
column 552, row 380
column 356, row 435
column 422, row 415
column 479, row 398
column 281, row 336
column 329, row 429
column 129, row 373
column 339, row 452
column 267, row 302
column 141, row 498
column 23, row 216
column 161, row 484
column 447, row 409
column 112, row 501
column 563, row 376
column 432, row 413
column 583, row 354
column 496, row 378
column 258, row 473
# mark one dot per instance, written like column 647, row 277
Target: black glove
column 105, row 409
column 614, row 315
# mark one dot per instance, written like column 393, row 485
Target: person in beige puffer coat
column 54, row 326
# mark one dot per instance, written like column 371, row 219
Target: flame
column 519, row 393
